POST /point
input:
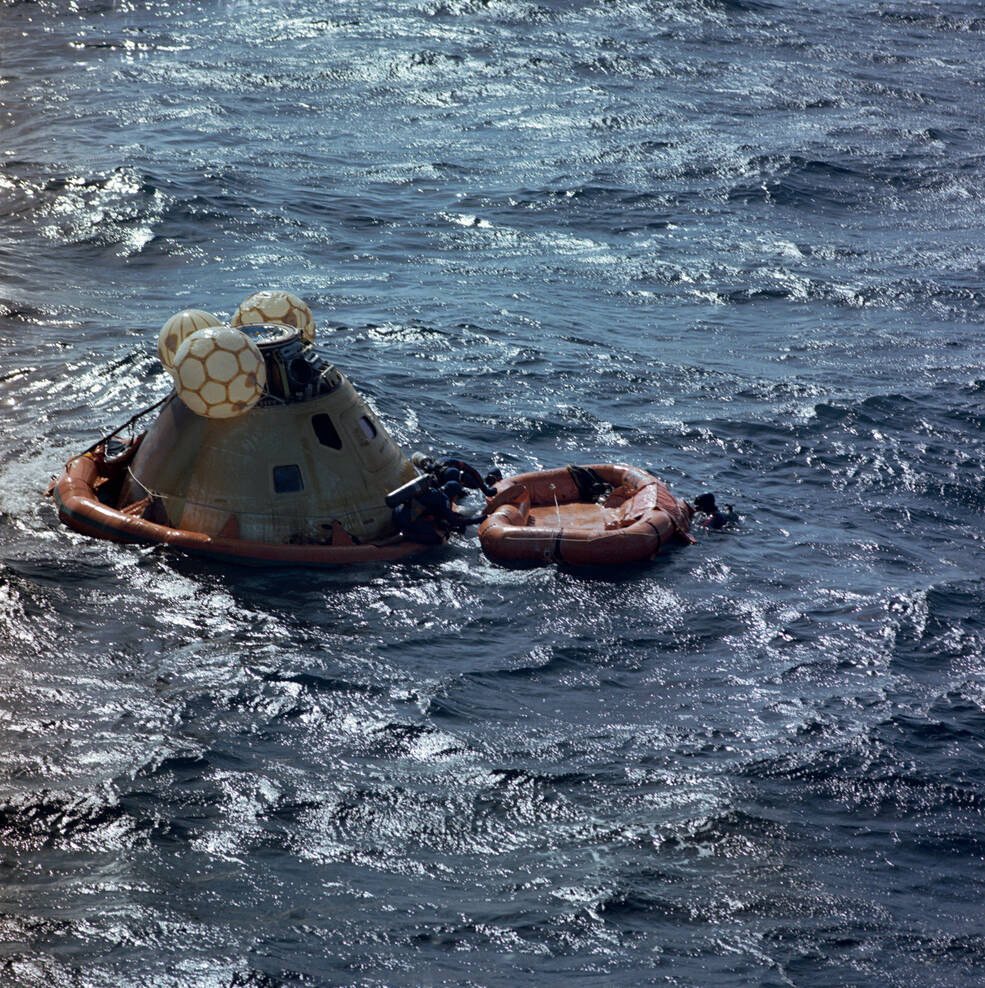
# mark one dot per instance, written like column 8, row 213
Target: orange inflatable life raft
column 87, row 497
column 600, row 515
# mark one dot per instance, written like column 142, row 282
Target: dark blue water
column 740, row 243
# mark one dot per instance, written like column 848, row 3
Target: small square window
column 287, row 480
column 368, row 428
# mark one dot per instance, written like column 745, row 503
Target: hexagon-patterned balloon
column 177, row 329
column 276, row 306
column 219, row 372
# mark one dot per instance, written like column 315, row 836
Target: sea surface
column 739, row 243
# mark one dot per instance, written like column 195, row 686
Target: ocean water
column 739, row 243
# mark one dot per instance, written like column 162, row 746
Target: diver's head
column 453, row 489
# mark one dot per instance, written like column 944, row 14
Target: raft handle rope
column 127, row 425
column 557, row 508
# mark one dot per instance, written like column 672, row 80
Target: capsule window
column 287, row 479
column 368, row 428
column 325, row 431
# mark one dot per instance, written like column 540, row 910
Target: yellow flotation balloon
column 219, row 372
column 276, row 306
column 177, row 329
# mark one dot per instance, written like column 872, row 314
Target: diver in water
column 466, row 475
column 434, row 516
column 705, row 503
column 452, row 469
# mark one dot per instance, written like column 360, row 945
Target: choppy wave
column 735, row 242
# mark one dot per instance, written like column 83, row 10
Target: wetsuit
column 717, row 519
column 468, row 476
column 437, row 519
